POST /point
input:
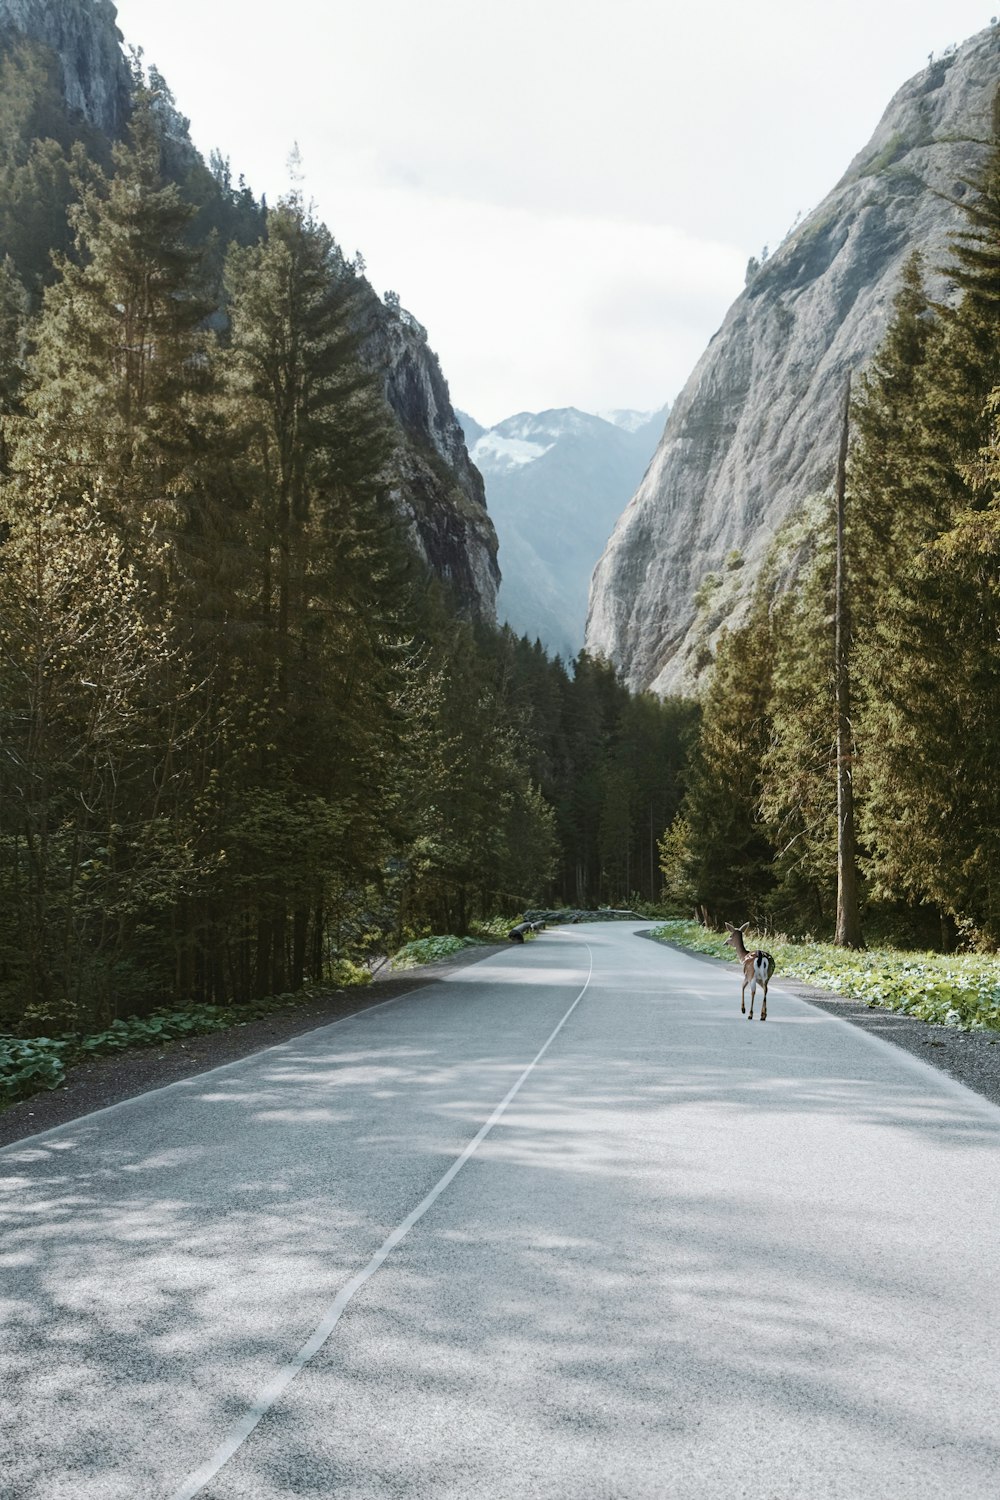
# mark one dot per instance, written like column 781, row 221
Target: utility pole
column 848, row 933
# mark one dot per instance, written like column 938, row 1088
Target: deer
column 757, row 969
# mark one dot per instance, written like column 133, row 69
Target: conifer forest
column 244, row 734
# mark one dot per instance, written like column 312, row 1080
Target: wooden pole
column 848, row 933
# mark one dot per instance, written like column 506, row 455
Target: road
column 561, row 1225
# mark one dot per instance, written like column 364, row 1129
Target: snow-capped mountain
column 630, row 421
column 556, row 482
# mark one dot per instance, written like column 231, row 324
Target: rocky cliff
column 437, row 490
column 754, row 433
column 85, row 38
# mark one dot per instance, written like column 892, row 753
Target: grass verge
column 948, row 990
column 29, row 1065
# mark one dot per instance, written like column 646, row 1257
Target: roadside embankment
column 93, row 1081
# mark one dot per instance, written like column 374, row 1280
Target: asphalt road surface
column 561, row 1225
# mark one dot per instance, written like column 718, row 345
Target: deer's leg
column 753, row 993
column 763, row 1004
column 743, row 1004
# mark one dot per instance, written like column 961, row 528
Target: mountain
column 73, row 48
column 755, row 431
column 437, row 490
column 84, row 37
column 555, row 483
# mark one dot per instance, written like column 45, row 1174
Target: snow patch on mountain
column 628, row 420
column 495, row 451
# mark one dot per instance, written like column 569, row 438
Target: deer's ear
column 730, row 927
column 744, row 927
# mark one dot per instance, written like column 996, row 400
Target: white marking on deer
column 757, row 969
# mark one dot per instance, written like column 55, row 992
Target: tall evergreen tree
column 930, row 663
column 730, row 858
column 328, row 580
column 798, row 770
column 121, row 357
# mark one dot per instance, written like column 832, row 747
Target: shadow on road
column 668, row 1249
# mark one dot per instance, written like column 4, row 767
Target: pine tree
column 798, row 770
column 930, row 659
column 328, row 580
column 13, row 353
column 121, row 356
column 733, row 873
column 104, row 447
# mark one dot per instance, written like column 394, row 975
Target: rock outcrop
column 85, row 38
column 755, row 431
column 438, row 490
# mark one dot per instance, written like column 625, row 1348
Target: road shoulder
column 970, row 1057
column 110, row 1080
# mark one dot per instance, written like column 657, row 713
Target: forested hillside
column 245, row 729
column 758, row 830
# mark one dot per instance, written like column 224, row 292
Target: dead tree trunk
column 848, row 933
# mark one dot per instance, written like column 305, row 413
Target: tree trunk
column 848, row 932
column 300, row 930
column 262, row 978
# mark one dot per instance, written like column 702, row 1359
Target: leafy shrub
column 29, row 1065
column 494, row 929
column 344, row 974
column 426, row 950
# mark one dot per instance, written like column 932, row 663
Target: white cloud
column 562, row 309
column 565, row 192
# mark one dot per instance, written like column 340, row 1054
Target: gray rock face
column 755, row 431
column 84, row 36
column 438, row 491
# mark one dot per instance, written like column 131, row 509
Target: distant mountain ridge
column 556, row 482
column 754, row 433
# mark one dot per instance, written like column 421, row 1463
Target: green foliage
column 344, row 974
column 246, row 741
column 961, row 992
column 928, row 658
column 426, row 950
column 41, row 145
column 494, row 929
column 679, row 863
column 724, row 858
column 759, row 831
column 798, row 792
column 30, row 1065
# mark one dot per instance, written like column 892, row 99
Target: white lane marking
column 273, row 1392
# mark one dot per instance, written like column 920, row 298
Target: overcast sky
column 565, row 192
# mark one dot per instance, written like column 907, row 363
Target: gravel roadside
column 108, row 1080
column 971, row 1057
